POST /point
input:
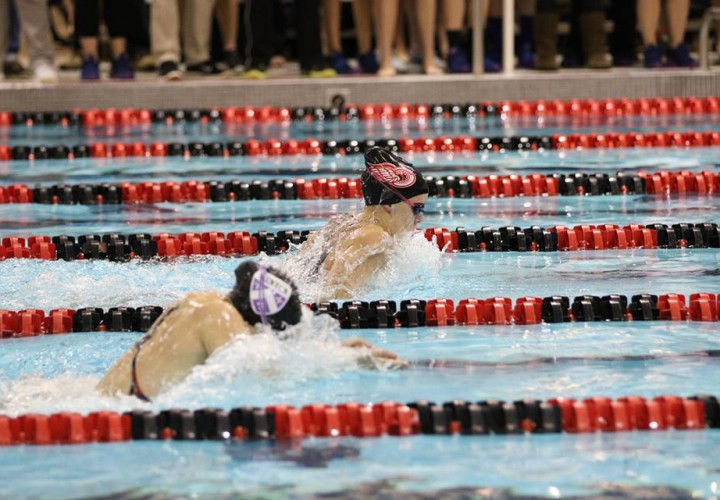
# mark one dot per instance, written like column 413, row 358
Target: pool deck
column 288, row 89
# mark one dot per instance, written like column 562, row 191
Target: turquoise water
column 54, row 373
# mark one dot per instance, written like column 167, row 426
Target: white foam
column 414, row 263
column 251, row 369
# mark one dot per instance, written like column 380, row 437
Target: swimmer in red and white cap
column 192, row 329
column 351, row 248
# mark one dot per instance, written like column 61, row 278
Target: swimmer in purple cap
column 192, row 329
column 351, row 248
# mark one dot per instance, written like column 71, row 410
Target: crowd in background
column 330, row 37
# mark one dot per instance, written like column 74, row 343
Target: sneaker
column 12, row 66
column 230, row 62
column 571, row 60
column 319, row 72
column 653, row 57
column 339, row 63
column 255, row 74
column 526, row 57
column 457, row 61
column 121, row 68
column 44, row 72
column 205, row 68
column 624, row 60
column 680, row 56
column 170, row 71
column 90, row 69
column 368, row 62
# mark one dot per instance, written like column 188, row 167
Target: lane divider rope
column 119, row 247
column 464, row 186
column 408, row 313
column 271, row 148
column 284, row 422
column 574, row 109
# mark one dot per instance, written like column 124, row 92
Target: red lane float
column 284, row 422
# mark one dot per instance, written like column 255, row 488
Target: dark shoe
column 526, row 57
column 680, row 56
column 205, row 68
column 492, row 65
column 368, row 62
column 653, row 57
column 457, row 61
column 339, row 63
column 571, row 61
column 90, row 69
column 624, row 60
column 12, row 67
column 121, row 68
column 170, row 70
column 230, row 62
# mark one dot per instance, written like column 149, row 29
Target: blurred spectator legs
column 226, row 14
column 649, row 20
column 385, row 13
column 363, row 17
column 426, row 12
column 118, row 18
column 493, row 32
column 12, row 64
column 35, row 27
column 453, row 14
column 591, row 24
column 332, row 14
column 312, row 62
column 623, row 46
column 165, row 36
column 258, row 24
column 547, row 19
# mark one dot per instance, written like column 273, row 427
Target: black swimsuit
column 134, row 383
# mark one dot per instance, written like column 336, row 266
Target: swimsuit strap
column 134, row 383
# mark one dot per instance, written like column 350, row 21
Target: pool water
column 49, row 374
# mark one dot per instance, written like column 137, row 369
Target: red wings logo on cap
column 397, row 176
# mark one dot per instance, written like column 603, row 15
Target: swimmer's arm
column 376, row 357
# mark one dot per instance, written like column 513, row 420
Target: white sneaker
column 44, row 72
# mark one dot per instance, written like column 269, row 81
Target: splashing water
column 255, row 369
column 413, row 262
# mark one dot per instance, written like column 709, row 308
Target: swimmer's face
column 413, row 208
column 417, row 206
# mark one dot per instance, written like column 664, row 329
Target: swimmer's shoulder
column 371, row 235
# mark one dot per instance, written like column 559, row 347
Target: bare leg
column 454, row 14
column 648, row 12
column 362, row 13
column 400, row 45
column 426, row 23
column 331, row 18
column 226, row 13
column 118, row 46
column 385, row 18
column 678, row 11
column 89, row 46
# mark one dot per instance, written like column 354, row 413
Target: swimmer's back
column 190, row 330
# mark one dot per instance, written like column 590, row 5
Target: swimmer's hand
column 377, row 358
